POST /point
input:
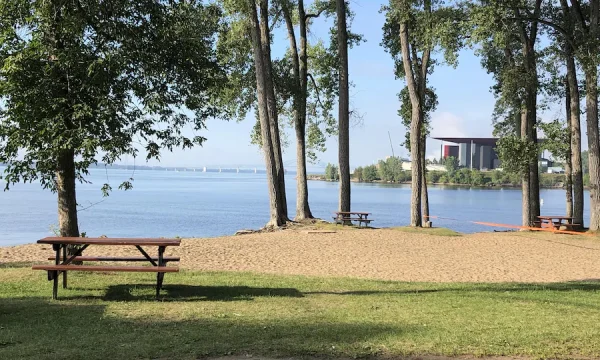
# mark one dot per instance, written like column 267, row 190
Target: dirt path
column 380, row 254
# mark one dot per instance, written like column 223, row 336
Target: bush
column 369, row 173
column 332, row 172
column 358, row 174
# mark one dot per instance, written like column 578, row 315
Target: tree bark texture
column 277, row 215
column 591, row 78
column 299, row 71
column 67, row 199
column 568, row 159
column 424, row 194
column 272, row 105
column 591, row 102
column 344, row 108
column 415, row 129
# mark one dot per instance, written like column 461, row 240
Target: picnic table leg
column 56, row 248
column 160, row 276
column 64, row 254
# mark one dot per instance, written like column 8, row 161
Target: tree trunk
column 277, row 215
column 568, row 160
column 591, row 102
column 591, row 78
column 299, row 72
column 415, row 129
column 344, row 108
column 67, row 199
column 272, row 106
column 574, row 124
column 424, row 194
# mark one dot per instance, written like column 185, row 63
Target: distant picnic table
column 344, row 217
column 64, row 263
column 556, row 221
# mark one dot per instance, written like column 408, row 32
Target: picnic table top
column 110, row 241
column 352, row 212
column 550, row 217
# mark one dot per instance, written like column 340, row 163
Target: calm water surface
column 195, row 204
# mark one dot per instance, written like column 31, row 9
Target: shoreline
column 321, row 178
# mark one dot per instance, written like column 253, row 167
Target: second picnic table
column 64, row 262
column 556, row 221
column 342, row 217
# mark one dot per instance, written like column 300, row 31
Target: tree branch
column 579, row 13
column 556, row 27
column 275, row 20
column 309, row 16
column 316, row 89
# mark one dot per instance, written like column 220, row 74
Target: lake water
column 196, row 204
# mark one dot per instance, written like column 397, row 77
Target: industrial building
column 472, row 153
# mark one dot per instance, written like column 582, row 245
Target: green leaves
column 516, row 153
column 99, row 77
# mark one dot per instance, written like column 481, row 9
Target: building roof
column 478, row 141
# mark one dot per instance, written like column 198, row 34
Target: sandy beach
column 377, row 254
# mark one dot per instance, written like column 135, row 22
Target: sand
column 378, row 254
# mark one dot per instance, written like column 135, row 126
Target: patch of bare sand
column 378, row 254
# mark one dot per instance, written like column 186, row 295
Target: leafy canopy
column 98, row 77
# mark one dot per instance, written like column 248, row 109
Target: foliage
column 390, row 170
column 370, row 173
column 557, row 139
column 99, row 77
column 332, row 172
column 516, row 153
column 451, row 164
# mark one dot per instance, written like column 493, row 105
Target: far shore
column 322, row 178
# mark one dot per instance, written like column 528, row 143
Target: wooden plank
column 320, row 232
column 110, row 241
column 110, row 258
column 106, row 268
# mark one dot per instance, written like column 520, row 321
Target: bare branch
column 316, row 89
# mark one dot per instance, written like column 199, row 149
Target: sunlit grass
column 429, row 231
column 115, row 316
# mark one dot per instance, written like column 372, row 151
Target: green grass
column 429, row 231
column 213, row 314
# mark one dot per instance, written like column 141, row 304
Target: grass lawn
column 114, row 316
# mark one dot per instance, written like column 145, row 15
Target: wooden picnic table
column 556, row 221
column 342, row 217
column 65, row 263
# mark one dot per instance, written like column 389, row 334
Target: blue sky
column 465, row 105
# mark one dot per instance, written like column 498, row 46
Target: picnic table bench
column 64, row 263
column 343, row 217
column 556, row 221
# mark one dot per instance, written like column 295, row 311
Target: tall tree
column 83, row 81
column 344, row 107
column 267, row 110
column 507, row 45
column 577, row 27
column 415, row 29
column 429, row 105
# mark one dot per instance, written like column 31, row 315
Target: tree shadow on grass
column 583, row 285
column 36, row 328
column 128, row 292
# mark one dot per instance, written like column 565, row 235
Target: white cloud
column 446, row 124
